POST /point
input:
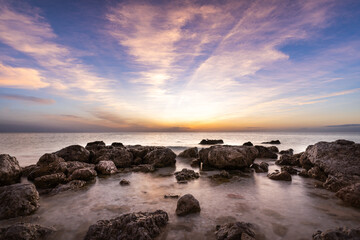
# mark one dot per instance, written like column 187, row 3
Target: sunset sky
column 179, row 65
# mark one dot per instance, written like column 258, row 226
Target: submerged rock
column 272, row 142
column 72, row 185
column 18, row 200
column 74, row 153
column 284, row 176
column 264, row 152
column 186, row 174
column 132, row 226
column 190, row 153
column 187, row 204
column 106, row 167
column 341, row 233
column 144, row 168
column 124, row 182
column 171, row 196
column 222, row 175
column 25, row 231
column 211, row 141
column 10, row 170
column 235, row 231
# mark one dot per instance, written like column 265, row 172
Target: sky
column 237, row 65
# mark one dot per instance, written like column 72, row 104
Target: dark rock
column 69, row 167
column 350, row 194
column 74, row 153
column 124, row 182
column 292, row 160
column 249, row 144
column 72, row 185
column 265, row 153
column 335, row 183
column 317, row 173
column 222, row 175
column 289, row 169
column 49, row 159
column 211, row 141
column 25, row 231
column 120, row 156
column 117, row 144
column 171, row 196
column 187, row 204
column 106, row 167
column 161, row 157
column 341, row 233
column 144, row 168
column 228, row 157
column 139, row 151
column 10, row 170
column 132, row 226
column 190, row 153
column 48, row 164
column 288, row 152
column 195, row 163
column 264, row 166
column 260, row 168
column 18, row 200
column 235, row 231
column 186, row 174
column 50, row 181
column 85, row 174
column 25, row 171
column 95, row 146
column 272, row 142
column 273, row 149
column 304, row 173
column 284, row 176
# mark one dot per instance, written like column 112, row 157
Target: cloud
column 27, row 98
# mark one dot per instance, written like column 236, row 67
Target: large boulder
column 10, row 170
column 190, row 153
column 341, row 233
column 106, row 167
column 25, row 231
column 235, row 231
column 264, row 152
column 228, row 157
column 74, row 153
column 49, row 163
column 161, row 157
column 18, row 200
column 187, row 204
column 132, row 226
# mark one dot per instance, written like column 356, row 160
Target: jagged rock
column 171, row 196
column 350, row 194
column 235, row 231
column 272, row 142
column 72, row 185
column 117, row 144
column 317, row 173
column 291, row 160
column 273, row 149
column 18, row 200
column 48, row 164
column 211, row 141
column 50, row 181
column 106, row 167
column 335, row 183
column 186, row 174
column 341, row 233
column 187, row 204
column 144, row 168
column 265, row 153
column 74, row 153
column 85, row 174
column 228, row 157
column 284, row 176
column 190, row 153
column 10, row 170
column 132, row 226
column 120, row 156
column 289, row 169
column 124, row 182
column 25, row 231
column 249, row 144
column 161, row 157
column 69, row 167
column 260, row 168
column 290, row 151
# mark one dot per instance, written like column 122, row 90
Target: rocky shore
column 336, row 165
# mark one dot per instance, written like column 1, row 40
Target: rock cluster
column 25, row 231
column 341, row 233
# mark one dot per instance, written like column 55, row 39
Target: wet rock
column 10, row 170
column 235, row 231
column 341, row 233
column 335, row 183
column 69, row 167
column 124, row 182
column 171, row 196
column 72, row 185
column 211, row 141
column 290, row 151
column 272, row 142
column 223, row 174
column 25, row 231
column 186, row 174
column 291, row 160
column 195, row 163
column 264, row 166
column 284, row 176
column 161, row 157
column 117, row 144
column 74, row 153
column 304, row 173
column 273, row 149
column 260, row 168
column 132, row 226
column 95, row 146
column 49, row 163
column 350, row 195
column 187, row 204
column 228, row 157
column 144, row 168
column 106, row 167
column 25, row 171
column 50, row 181
column 49, row 159
column 289, row 169
column 18, row 200
column 190, row 153
column 249, row 144
column 265, row 153
column 317, row 173
column 85, row 174
column 121, row 157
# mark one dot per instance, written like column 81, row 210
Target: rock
column 18, row 200
column 69, row 167
column 235, row 231
column 190, row 153
column 211, row 141
column 272, row 142
column 25, row 171
column 341, row 233
column 249, row 144
column 94, row 146
column 273, row 149
column 290, row 151
column 264, row 166
column 74, row 153
column 291, row 160
column 131, row 226
column 49, row 159
column 10, row 170
column 260, row 168
column 117, row 144
column 49, row 163
column 265, row 153
column 289, row 169
column 187, row 204
column 106, row 167
column 317, row 173
column 284, row 176
column 228, row 157
column 171, row 196
column 195, row 163
column 335, row 183
column 350, row 194
column 50, row 181
column 144, row 168
column 223, row 174
column 121, row 157
column 304, row 173
column 85, row 174
column 124, row 182
column 72, row 185
column 161, row 157
column 25, row 231
column 186, row 174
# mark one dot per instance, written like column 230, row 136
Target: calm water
column 282, row 210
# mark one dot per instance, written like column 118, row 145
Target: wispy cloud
column 27, row 98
